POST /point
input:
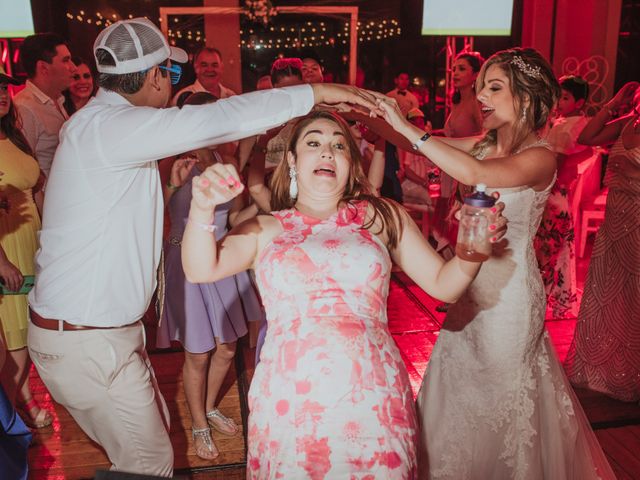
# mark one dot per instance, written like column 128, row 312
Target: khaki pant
column 105, row 380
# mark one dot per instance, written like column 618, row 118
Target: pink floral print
column 330, row 397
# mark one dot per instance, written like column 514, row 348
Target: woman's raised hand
column 624, row 96
column 181, row 168
column 217, row 185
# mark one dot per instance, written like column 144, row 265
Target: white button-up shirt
column 198, row 87
column 102, row 225
column 41, row 118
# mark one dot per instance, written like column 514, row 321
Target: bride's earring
column 293, row 185
column 524, row 114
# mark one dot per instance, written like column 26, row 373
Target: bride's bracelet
column 207, row 227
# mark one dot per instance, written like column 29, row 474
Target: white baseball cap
column 135, row 45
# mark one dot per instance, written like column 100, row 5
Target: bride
column 495, row 402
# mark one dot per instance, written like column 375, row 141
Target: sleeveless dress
column 330, row 398
column 495, row 403
column 19, row 222
column 605, row 352
column 195, row 314
column 555, row 243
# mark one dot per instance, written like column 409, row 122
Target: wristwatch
column 420, row 141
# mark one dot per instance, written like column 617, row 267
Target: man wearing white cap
column 102, row 228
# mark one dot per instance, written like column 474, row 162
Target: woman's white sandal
column 204, row 434
column 215, row 414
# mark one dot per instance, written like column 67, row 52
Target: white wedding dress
column 495, row 402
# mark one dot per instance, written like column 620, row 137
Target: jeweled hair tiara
column 526, row 68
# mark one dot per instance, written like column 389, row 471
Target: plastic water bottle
column 475, row 217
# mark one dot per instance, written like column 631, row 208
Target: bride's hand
column 391, row 113
column 498, row 229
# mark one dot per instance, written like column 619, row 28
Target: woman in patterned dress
column 330, row 397
column 555, row 242
column 605, row 352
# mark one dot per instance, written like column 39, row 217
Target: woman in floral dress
column 330, row 397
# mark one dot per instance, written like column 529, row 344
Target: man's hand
column 332, row 94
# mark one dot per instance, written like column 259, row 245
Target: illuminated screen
column 15, row 18
column 467, row 17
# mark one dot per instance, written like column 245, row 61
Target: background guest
column 82, row 87
column 47, row 61
column 15, row 437
column 207, row 319
column 312, row 70
column 554, row 242
column 19, row 223
column 464, row 120
column 416, row 168
column 605, row 352
column 406, row 100
column 209, row 68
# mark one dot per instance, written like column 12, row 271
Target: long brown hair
column 10, row 126
column 358, row 187
column 475, row 61
column 530, row 79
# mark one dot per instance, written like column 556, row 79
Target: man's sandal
column 206, row 449
column 222, row 424
column 41, row 419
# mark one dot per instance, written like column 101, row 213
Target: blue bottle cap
column 479, row 199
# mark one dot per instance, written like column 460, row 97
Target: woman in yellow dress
column 19, row 222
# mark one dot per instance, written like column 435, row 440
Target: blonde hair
column 530, row 79
column 358, row 187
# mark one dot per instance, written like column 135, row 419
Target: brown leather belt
column 51, row 324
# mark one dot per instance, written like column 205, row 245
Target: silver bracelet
column 207, row 227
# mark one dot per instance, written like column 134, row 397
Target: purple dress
column 214, row 310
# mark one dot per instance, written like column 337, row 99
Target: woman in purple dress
column 207, row 319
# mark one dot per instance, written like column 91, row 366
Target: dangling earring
column 293, row 185
column 524, row 114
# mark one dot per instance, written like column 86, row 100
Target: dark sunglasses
column 77, row 76
column 175, row 72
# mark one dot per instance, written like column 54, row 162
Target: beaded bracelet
column 207, row 227
column 171, row 186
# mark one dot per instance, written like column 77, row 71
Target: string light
column 306, row 34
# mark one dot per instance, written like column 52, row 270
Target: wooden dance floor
column 63, row 452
